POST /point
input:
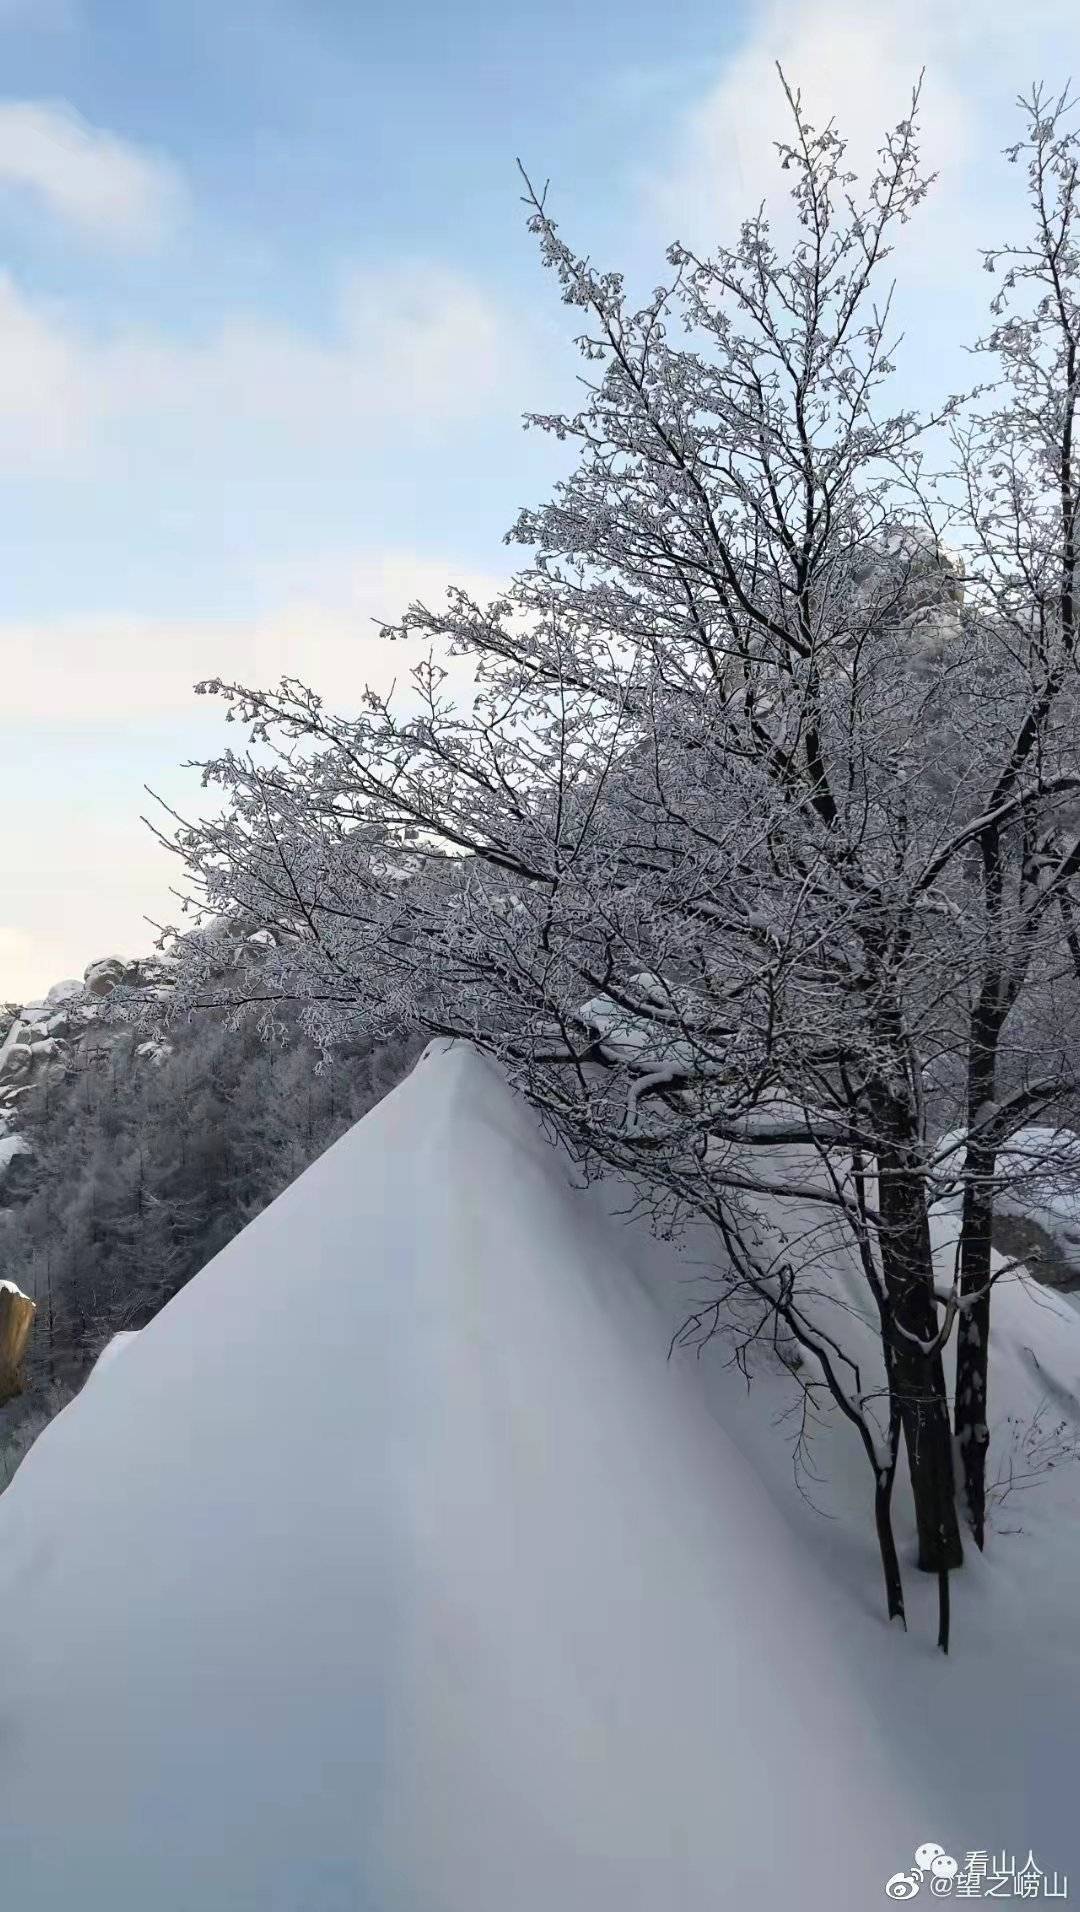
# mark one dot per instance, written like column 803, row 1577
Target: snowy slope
column 393, row 1569
column 994, row 1732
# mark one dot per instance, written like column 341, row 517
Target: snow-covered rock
column 156, row 1050
column 65, row 991
column 394, row 1566
column 15, row 1053
column 45, row 1034
column 103, row 976
column 11, row 1145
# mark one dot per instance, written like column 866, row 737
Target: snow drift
column 392, row 1568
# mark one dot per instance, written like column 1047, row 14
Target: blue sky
column 308, row 142
column 269, row 318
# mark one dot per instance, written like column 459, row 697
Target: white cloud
column 21, row 959
column 105, row 671
column 95, row 182
column 108, row 699
column 409, row 348
column 81, row 872
column 412, row 344
column 105, row 874
column 46, row 398
column 857, row 62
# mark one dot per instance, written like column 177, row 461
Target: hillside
column 391, row 1566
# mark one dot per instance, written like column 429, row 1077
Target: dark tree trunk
column 928, row 1440
column 918, row 1374
column 890, row 1563
column 973, row 1339
column 988, row 1016
column 883, row 1490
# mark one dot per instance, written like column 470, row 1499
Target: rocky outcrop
column 102, row 977
column 44, row 1039
column 47, row 1034
column 26, row 1050
column 11, row 1145
column 41, row 1038
column 63, row 992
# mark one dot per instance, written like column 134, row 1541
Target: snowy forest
column 140, row 1155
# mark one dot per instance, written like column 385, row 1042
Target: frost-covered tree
column 1017, row 472
column 759, row 832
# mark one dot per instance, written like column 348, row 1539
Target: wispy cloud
column 406, row 352
column 415, row 346
column 51, row 15
column 109, row 706
column 857, row 63
column 321, row 625
column 46, row 397
column 21, row 958
column 99, row 185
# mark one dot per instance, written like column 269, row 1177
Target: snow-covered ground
column 393, row 1568
column 994, row 1732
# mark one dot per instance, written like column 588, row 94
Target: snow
column 156, row 1050
column 1037, row 1177
column 632, row 1039
column 992, row 1732
column 64, row 991
column 11, row 1146
column 394, row 1568
column 12, row 1288
column 114, row 1346
column 15, row 1035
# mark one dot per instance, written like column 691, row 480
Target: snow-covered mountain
column 393, row 1567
